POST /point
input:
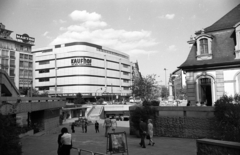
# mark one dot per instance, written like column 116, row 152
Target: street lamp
column 96, row 93
column 165, row 77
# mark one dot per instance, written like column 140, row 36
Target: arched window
column 204, row 46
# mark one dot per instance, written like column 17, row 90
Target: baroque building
column 213, row 63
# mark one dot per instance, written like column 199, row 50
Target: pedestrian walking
column 66, row 142
column 96, row 126
column 114, row 124
column 107, row 124
column 59, row 142
column 83, row 125
column 86, row 125
column 72, row 127
column 150, row 132
column 142, row 132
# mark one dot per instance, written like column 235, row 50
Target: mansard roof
column 223, row 45
column 227, row 21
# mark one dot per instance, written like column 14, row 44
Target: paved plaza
column 96, row 142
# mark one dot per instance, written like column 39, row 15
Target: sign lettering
column 81, row 61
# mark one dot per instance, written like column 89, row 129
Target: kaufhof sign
column 81, row 61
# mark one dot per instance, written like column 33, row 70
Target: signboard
column 81, row 61
column 25, row 38
column 117, row 143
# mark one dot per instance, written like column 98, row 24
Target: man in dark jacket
column 142, row 132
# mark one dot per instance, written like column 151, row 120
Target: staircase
column 96, row 113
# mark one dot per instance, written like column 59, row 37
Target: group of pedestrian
column 146, row 130
column 84, row 124
column 108, row 124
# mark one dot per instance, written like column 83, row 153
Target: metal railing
column 81, row 151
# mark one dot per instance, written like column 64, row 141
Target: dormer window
column 204, row 47
column 237, row 46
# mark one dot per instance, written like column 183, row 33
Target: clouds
column 172, row 48
column 45, row 33
column 84, row 16
column 89, row 27
column 167, row 16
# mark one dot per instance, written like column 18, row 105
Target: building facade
column 16, row 57
column 81, row 67
column 213, row 64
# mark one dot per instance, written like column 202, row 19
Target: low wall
column 217, row 147
column 184, row 122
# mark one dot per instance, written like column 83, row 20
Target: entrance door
column 205, row 91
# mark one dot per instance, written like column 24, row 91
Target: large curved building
column 81, row 67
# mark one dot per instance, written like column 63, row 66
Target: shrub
column 155, row 103
column 9, row 136
column 227, row 113
column 150, row 103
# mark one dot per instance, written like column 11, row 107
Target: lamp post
column 96, row 93
column 165, row 77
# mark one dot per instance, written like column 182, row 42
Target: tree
column 146, row 88
column 79, row 99
column 9, row 137
column 164, row 92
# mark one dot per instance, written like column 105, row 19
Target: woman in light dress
column 114, row 123
column 150, row 132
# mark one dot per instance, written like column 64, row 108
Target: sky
column 153, row 32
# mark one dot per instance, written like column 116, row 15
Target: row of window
column 48, row 70
column 23, row 48
column 26, row 56
column 113, row 53
column 47, row 79
column 25, row 73
column 12, row 46
column 48, row 88
column 26, row 64
column 7, row 45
